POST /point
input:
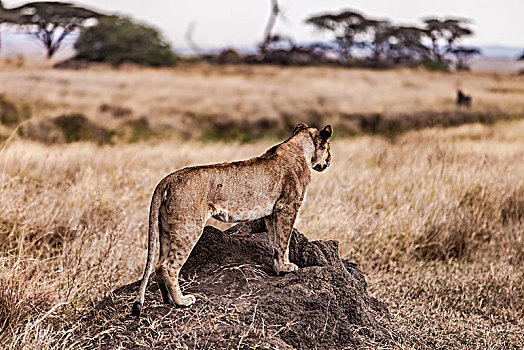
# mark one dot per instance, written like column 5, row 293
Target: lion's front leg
column 279, row 228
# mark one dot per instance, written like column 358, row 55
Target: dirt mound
column 242, row 304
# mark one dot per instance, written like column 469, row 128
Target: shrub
column 117, row 40
column 436, row 65
column 137, row 130
column 11, row 113
column 66, row 128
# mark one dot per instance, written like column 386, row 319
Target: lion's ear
column 300, row 126
column 326, row 133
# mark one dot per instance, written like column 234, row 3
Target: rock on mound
column 242, row 304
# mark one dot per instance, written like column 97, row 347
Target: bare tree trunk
column 189, row 39
column 275, row 11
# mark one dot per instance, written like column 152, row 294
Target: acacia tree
column 444, row 34
column 389, row 44
column 406, row 45
column 377, row 39
column 49, row 22
column 347, row 26
column 462, row 55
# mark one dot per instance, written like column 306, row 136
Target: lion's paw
column 286, row 268
column 186, row 300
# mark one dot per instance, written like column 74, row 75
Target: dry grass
column 435, row 219
column 433, row 194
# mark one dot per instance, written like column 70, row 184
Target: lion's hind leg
column 168, row 274
column 165, row 242
column 183, row 237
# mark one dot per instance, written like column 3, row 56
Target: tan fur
column 271, row 186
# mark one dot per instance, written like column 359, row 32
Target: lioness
column 271, row 186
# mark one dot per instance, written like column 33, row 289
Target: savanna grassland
column 249, row 102
column 434, row 216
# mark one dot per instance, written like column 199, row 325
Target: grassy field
column 434, row 217
column 228, row 102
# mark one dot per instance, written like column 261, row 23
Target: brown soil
column 241, row 303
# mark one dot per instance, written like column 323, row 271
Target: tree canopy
column 444, row 35
column 48, row 22
column 389, row 44
column 346, row 26
column 117, row 40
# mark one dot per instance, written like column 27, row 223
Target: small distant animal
column 463, row 99
column 271, row 186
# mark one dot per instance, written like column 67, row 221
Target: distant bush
column 12, row 113
column 76, row 127
column 137, row 130
column 436, row 65
column 117, row 40
column 114, row 110
column 65, row 129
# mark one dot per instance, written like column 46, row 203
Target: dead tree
column 189, row 39
column 273, row 16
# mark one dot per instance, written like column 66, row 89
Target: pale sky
column 240, row 23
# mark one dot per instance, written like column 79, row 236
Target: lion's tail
column 156, row 201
